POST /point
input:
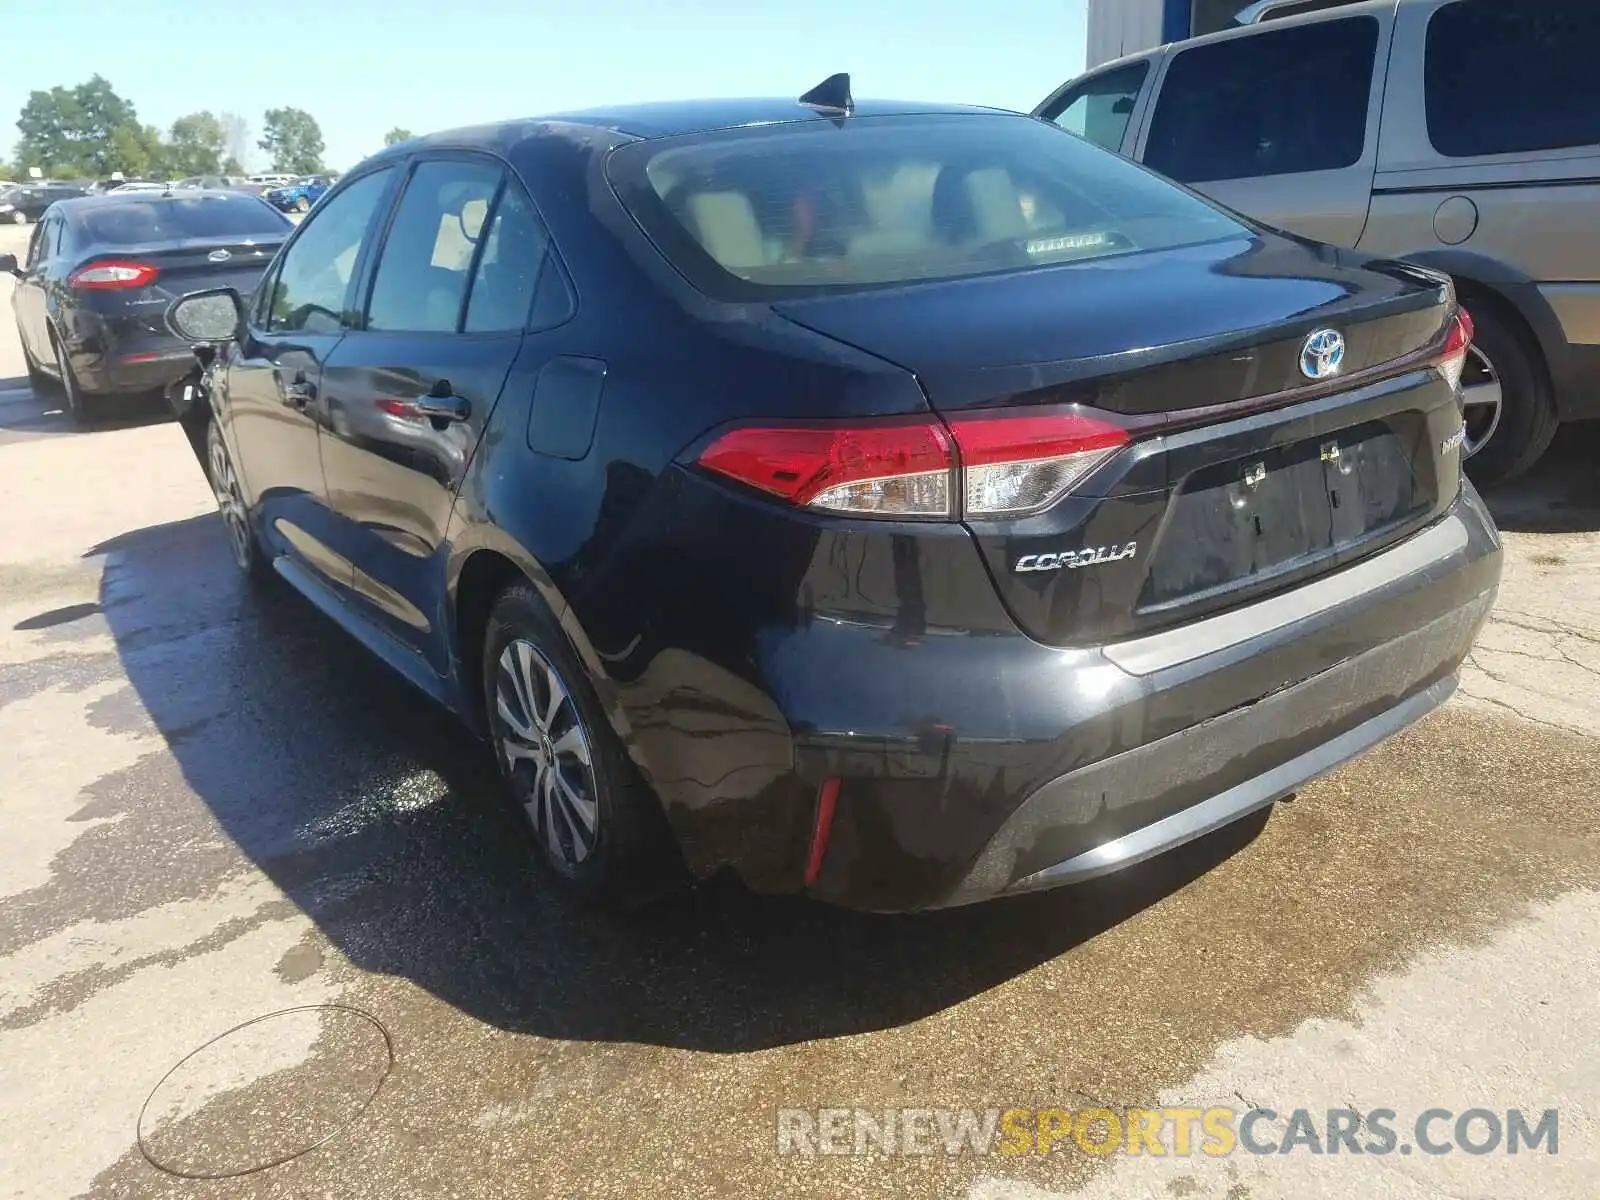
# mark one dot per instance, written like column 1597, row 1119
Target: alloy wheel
column 230, row 502
column 546, row 753
column 1482, row 402
column 19, row 217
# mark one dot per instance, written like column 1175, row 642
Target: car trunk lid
column 1243, row 474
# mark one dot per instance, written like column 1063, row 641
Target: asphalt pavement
column 214, row 808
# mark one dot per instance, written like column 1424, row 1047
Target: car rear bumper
column 973, row 766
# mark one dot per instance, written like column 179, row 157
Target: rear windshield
column 136, row 222
column 821, row 206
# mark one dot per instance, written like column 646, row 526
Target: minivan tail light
column 1454, row 359
column 996, row 465
column 103, row 276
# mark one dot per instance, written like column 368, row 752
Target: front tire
column 18, row 217
column 1509, row 412
column 242, row 541
column 595, row 824
column 302, row 205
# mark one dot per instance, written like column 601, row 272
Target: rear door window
column 1279, row 102
column 1099, row 109
column 508, row 270
column 1511, row 78
column 428, row 255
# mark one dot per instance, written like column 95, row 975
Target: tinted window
column 1271, row 103
column 314, row 278
column 508, row 269
column 1100, row 108
column 133, row 222
column 427, row 257
column 811, row 207
column 1503, row 79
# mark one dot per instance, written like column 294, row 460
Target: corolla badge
column 219, row 255
column 1072, row 560
column 1322, row 357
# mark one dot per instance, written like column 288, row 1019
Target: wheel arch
column 1514, row 296
column 482, row 564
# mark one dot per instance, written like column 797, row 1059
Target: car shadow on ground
column 25, row 409
column 1561, row 494
column 381, row 818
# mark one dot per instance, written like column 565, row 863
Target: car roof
column 670, row 118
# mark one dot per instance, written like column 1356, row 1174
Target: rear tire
column 80, row 405
column 1527, row 418
column 595, row 823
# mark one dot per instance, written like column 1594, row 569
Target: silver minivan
column 1460, row 134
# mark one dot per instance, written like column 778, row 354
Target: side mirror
column 8, row 264
column 214, row 316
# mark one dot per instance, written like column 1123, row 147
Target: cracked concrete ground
column 214, row 806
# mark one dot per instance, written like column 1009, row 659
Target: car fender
column 1516, row 288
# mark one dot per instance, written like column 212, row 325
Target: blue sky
column 362, row 67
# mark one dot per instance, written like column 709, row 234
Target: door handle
column 442, row 404
column 300, row 392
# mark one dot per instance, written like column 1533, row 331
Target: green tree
column 136, row 151
column 196, row 145
column 397, row 135
column 293, row 139
column 232, row 166
column 76, row 127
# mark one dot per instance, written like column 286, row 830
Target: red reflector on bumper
column 827, row 801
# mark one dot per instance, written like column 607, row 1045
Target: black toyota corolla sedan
column 92, row 292
column 903, row 505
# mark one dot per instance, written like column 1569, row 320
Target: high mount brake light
column 104, row 275
column 996, row 465
column 1454, row 358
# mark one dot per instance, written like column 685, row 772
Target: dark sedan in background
column 100, row 271
column 901, row 506
column 26, row 202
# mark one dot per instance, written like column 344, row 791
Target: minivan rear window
column 810, row 207
column 134, row 222
column 1509, row 79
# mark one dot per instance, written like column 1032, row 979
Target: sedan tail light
column 106, row 275
column 1454, row 358
column 1004, row 464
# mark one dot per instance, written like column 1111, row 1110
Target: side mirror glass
column 214, row 316
column 8, row 264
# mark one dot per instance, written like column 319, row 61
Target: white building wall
column 1118, row 27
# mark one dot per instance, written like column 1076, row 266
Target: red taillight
column 107, row 275
column 899, row 468
column 1454, row 358
column 1014, row 465
column 1003, row 464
